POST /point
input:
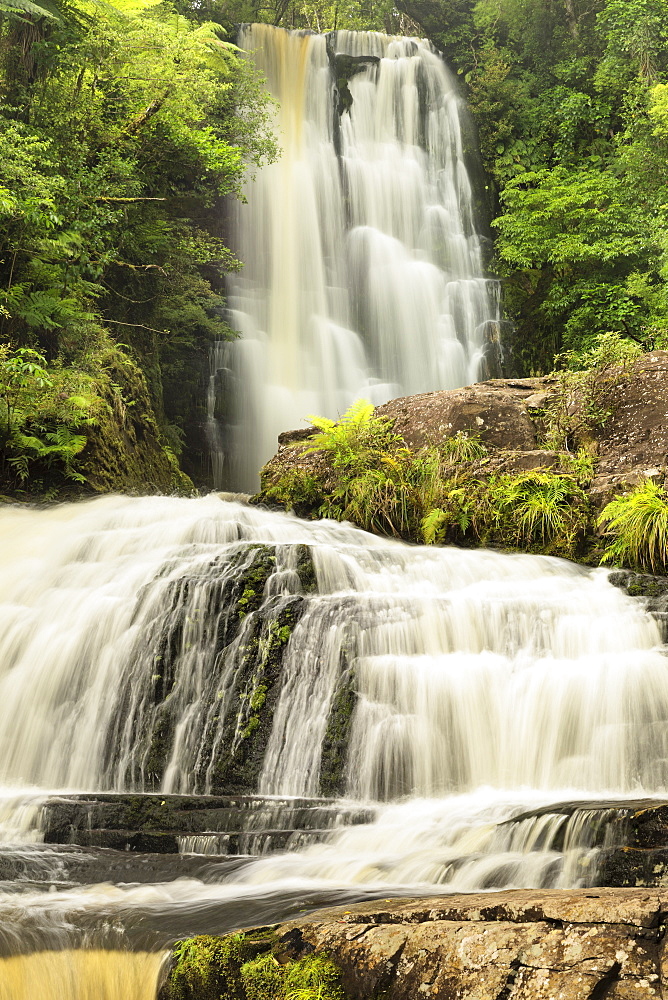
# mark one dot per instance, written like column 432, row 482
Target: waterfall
column 80, row 975
column 378, row 718
column 169, row 645
column 363, row 272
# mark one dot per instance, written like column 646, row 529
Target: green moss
column 248, row 967
column 263, row 978
column 314, row 977
column 209, row 968
column 255, row 579
column 125, row 450
column 337, row 735
column 306, row 570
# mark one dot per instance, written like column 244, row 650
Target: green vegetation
column 570, row 99
column 580, row 403
column 448, row 493
column 248, row 967
column 121, row 129
column 637, row 526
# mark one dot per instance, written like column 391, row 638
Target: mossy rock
column 337, row 736
column 237, row 765
column 125, row 450
column 252, row 966
column 209, row 968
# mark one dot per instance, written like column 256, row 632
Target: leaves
column 637, row 525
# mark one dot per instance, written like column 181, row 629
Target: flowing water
column 484, row 686
column 363, row 270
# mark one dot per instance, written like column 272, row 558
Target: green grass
column 636, row 526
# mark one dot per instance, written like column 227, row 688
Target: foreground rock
column 517, row 945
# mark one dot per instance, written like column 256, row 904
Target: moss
column 125, row 450
column 263, row 978
column 255, row 580
column 306, row 569
column 248, row 967
column 209, row 968
column 337, row 735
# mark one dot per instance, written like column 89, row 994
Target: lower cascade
column 284, row 714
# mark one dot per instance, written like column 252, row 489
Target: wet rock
column 653, row 590
column 166, row 824
column 521, row 944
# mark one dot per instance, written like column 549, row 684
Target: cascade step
column 169, row 824
column 630, row 835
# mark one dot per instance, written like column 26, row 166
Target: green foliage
column 569, row 99
column 314, row 977
column 206, row 968
column 636, row 526
column 263, row 978
column 122, row 126
column 351, row 440
column 463, row 447
column 580, row 403
column 43, row 410
column 436, row 494
column 244, row 967
column 537, row 508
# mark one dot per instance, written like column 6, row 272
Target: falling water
column 363, row 273
column 140, row 638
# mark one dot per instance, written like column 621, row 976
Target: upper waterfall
column 363, row 272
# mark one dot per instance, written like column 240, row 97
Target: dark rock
column 227, row 825
column 653, row 590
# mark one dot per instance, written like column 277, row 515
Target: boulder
column 524, row 945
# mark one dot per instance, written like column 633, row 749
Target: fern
column 432, row 525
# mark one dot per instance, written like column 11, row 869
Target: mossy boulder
column 252, row 966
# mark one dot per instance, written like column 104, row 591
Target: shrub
column 354, row 438
column 538, row 508
column 637, row 523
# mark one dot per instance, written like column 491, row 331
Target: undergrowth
column 438, row 494
column 636, row 527
column 580, row 404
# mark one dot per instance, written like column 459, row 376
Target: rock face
column 517, row 945
column 634, row 441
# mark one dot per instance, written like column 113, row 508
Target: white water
column 472, row 668
column 488, row 685
column 363, row 272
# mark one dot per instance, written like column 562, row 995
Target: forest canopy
column 121, row 131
